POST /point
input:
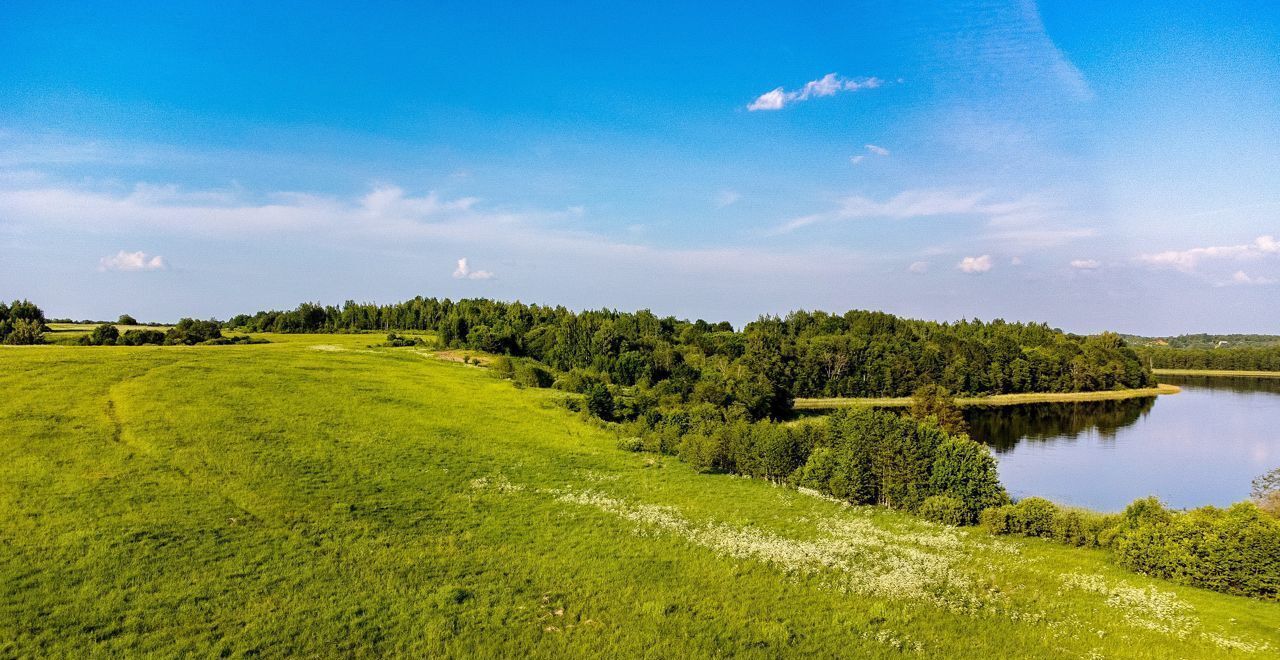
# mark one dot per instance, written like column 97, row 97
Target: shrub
column 632, row 443
column 1236, row 550
column 532, row 375
column 192, row 331
column 105, row 334
column 140, row 337
column 600, row 401
column 126, row 319
column 503, row 367
column 966, row 471
column 945, row 509
column 1033, row 516
column 24, row 331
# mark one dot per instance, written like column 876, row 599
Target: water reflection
column 1202, row 446
column 1003, row 427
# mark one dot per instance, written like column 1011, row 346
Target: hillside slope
column 315, row 497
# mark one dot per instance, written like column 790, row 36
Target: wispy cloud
column 828, row 85
column 871, row 149
column 975, row 265
column 1085, row 264
column 132, row 261
column 1241, row 277
column 727, row 198
column 1189, row 260
column 918, row 267
column 464, row 272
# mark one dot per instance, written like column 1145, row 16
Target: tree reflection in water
column 1003, row 427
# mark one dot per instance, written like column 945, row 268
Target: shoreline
column 1216, row 372
column 993, row 400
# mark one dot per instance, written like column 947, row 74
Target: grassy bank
column 1216, row 372
column 315, row 497
column 995, row 400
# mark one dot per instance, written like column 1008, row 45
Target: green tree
column 937, row 402
column 600, row 401
column 966, row 470
column 126, row 319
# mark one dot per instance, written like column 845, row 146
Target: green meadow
column 313, row 496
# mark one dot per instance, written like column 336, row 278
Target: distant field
column 1216, row 372
column 315, row 497
column 994, row 400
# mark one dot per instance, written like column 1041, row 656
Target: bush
column 945, row 509
column 126, row 319
column 632, row 443
column 1033, row 516
column 140, row 337
column 105, row 334
column 600, row 401
column 192, row 331
column 1236, row 550
column 966, row 471
column 23, row 332
column 532, row 375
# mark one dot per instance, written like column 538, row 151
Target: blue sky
column 1092, row 166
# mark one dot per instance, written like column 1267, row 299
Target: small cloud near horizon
column 918, row 267
column 132, row 261
column 975, row 265
column 464, row 272
column 1086, row 264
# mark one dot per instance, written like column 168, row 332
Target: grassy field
column 314, row 497
column 1216, row 372
column 994, row 400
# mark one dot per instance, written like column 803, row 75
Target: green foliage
column 944, row 509
column 104, row 334
column 282, row 501
column 21, row 322
column 1266, row 492
column 934, row 401
column 126, row 319
column 140, row 337
column 1245, row 358
column 599, row 401
column 1234, row 550
column 1032, row 516
column 758, row 370
column 966, row 471
column 532, row 374
column 192, row 331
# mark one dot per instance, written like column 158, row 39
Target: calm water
column 1202, row 446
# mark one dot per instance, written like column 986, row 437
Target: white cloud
column 856, row 159
column 1086, row 264
column 975, row 264
column 1241, row 277
column 464, row 272
column 918, row 267
column 879, row 151
column 1189, row 260
column 727, row 198
column 828, row 85
column 132, row 261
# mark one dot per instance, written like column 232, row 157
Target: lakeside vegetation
column 1212, row 359
column 321, row 497
column 993, row 400
column 1216, row 372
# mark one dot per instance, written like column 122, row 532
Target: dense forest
column 1234, row 359
column 759, row 369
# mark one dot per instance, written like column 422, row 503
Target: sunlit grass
column 314, row 496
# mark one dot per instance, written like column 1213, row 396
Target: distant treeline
column 760, row 368
column 1203, row 340
column 1233, row 359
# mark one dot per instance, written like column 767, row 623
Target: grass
column 993, row 400
column 315, row 497
column 1216, row 372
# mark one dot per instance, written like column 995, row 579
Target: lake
column 1202, row 446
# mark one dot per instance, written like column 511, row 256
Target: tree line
column 1251, row 358
column 647, row 361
